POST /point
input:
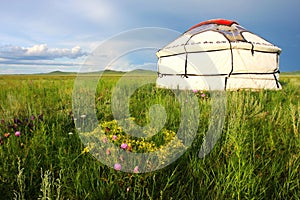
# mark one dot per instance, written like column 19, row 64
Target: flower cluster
column 111, row 138
column 118, row 167
column 7, row 135
column 115, row 134
column 201, row 94
column 17, row 125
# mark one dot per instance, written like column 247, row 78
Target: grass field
column 42, row 156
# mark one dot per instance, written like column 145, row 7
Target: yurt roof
column 217, row 34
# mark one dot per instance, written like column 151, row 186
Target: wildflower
column 129, row 148
column 70, row 133
column 85, row 150
column 17, row 121
column 124, row 146
column 41, row 117
column 32, row 117
column 6, row 135
column 203, row 95
column 83, row 116
column 18, row 133
column 117, row 166
column 107, row 129
column 136, row 169
column 104, row 140
column 128, row 189
column 195, row 91
column 114, row 137
column 108, row 152
column 30, row 125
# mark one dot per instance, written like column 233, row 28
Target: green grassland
column 257, row 156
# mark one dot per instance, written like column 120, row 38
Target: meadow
column 42, row 156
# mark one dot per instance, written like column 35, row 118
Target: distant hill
column 143, row 72
column 106, row 72
column 59, row 73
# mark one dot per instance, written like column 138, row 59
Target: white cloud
column 39, row 52
column 36, row 50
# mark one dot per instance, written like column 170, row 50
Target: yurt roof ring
column 224, row 22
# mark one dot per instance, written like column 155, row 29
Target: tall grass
column 257, row 156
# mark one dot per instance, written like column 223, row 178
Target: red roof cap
column 215, row 21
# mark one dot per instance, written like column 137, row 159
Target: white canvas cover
column 216, row 55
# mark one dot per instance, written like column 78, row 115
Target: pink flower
column 195, row 91
column 117, row 166
column 136, row 169
column 108, row 152
column 104, row 140
column 18, row 133
column 202, row 95
column 114, row 137
column 124, row 146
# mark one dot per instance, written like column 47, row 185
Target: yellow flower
column 85, row 150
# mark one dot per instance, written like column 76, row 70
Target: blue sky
column 41, row 36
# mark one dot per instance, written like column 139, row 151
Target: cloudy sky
column 42, row 36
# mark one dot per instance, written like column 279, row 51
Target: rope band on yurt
column 236, row 73
column 277, row 82
column 186, row 57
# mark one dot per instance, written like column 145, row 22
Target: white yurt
column 218, row 54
